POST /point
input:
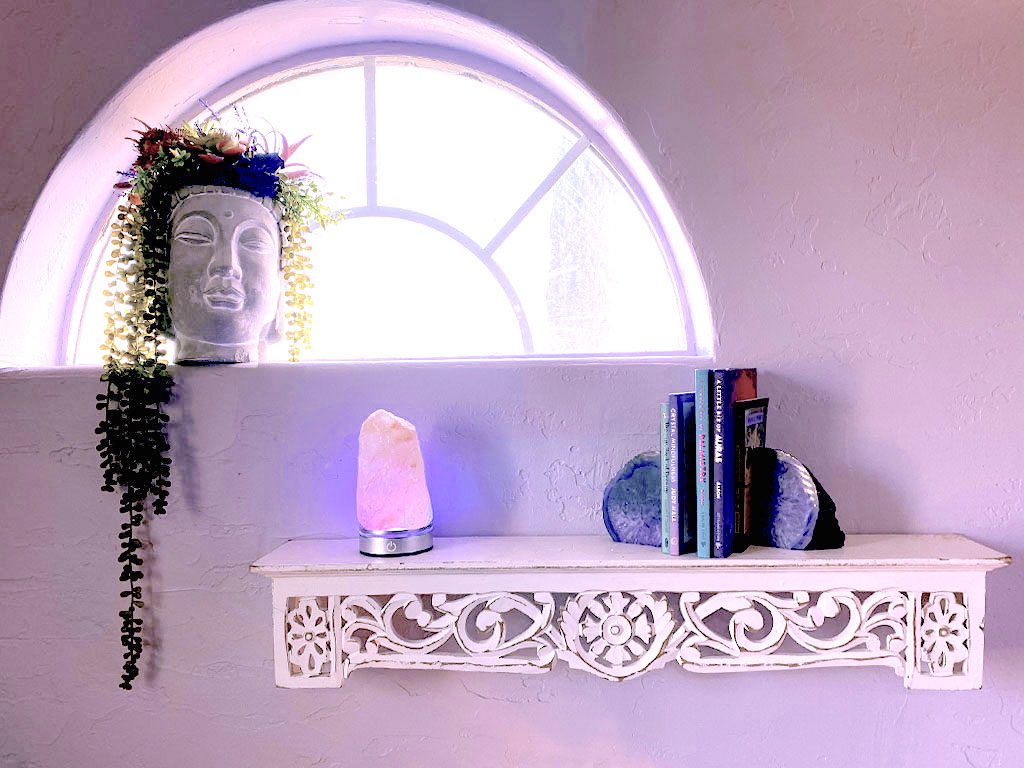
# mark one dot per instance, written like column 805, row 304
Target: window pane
column 459, row 148
column 589, row 271
column 85, row 340
column 329, row 108
column 388, row 288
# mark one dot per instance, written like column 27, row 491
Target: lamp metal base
column 396, row 543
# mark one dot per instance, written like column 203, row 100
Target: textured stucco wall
column 851, row 176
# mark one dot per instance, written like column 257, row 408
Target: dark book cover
column 750, row 422
column 673, row 474
column 728, row 386
column 702, row 419
column 687, row 473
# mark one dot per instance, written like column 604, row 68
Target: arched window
column 487, row 215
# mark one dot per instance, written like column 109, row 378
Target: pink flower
column 230, row 145
column 209, row 157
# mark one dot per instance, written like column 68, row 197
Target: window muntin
column 516, row 219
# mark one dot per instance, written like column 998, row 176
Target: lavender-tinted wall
column 852, row 177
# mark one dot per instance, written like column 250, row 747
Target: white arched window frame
column 36, row 316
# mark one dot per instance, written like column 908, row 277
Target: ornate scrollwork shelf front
column 915, row 604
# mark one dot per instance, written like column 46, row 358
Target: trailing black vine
column 135, row 461
column 133, row 442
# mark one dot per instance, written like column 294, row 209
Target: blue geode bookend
column 632, row 502
column 790, row 508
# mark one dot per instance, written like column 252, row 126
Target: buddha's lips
column 224, row 296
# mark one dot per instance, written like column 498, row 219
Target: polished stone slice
column 391, row 492
column 632, row 502
column 791, row 509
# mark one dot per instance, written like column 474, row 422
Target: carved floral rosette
column 309, row 637
column 944, row 633
column 618, row 635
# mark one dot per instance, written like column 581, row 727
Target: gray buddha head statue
column 224, row 282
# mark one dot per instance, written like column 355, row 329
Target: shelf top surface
column 599, row 553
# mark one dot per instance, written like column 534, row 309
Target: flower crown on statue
column 171, row 160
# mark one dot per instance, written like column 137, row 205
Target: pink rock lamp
column 392, row 501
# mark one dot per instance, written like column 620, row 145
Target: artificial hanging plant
column 133, row 441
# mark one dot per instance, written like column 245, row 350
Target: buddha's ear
column 276, row 329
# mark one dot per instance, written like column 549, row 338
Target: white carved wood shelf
column 915, row 604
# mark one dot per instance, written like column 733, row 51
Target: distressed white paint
column 862, row 552
column 518, row 604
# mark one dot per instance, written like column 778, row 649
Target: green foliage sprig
column 133, row 442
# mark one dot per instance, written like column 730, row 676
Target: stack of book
column 705, row 476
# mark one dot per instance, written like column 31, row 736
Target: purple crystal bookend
column 791, row 509
column 632, row 502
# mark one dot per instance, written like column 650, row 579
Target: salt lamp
column 392, row 501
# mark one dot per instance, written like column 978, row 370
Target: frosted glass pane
column 589, row 271
column 460, row 149
column 388, row 288
column 84, row 346
column 329, row 107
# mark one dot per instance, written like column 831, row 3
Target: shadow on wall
column 470, row 475
column 816, row 426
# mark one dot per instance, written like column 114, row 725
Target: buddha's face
column 223, row 281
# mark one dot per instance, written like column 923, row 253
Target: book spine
column 673, row 474
column 664, row 479
column 703, row 455
column 718, row 511
column 740, row 536
column 687, row 476
column 749, row 428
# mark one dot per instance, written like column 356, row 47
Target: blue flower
column 258, row 174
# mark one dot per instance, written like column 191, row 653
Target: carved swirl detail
column 835, row 624
column 478, row 627
column 621, row 634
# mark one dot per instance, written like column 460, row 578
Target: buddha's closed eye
column 194, row 230
column 193, row 238
column 256, row 239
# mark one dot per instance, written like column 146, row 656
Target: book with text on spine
column 665, row 512
column 676, row 473
column 702, row 452
column 728, row 386
column 687, row 473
